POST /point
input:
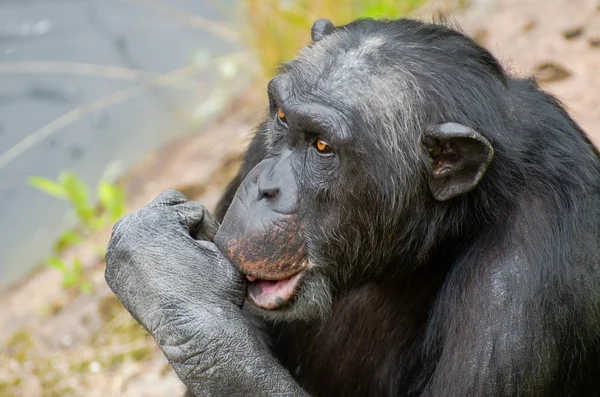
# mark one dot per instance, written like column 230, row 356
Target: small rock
column 529, row 26
column 573, row 33
column 550, row 72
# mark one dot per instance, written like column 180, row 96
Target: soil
column 57, row 342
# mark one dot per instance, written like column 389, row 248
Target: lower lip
column 273, row 295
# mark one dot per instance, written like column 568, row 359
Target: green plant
column 73, row 275
column 71, row 188
column 110, row 207
column 278, row 28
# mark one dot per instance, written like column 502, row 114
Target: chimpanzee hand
column 188, row 296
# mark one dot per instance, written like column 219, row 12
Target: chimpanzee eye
column 322, row 146
column 281, row 117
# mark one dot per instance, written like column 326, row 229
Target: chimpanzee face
column 346, row 157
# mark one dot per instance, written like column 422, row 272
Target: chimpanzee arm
column 189, row 297
column 499, row 328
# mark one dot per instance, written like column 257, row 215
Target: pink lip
column 272, row 294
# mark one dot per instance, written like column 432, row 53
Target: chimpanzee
column 409, row 220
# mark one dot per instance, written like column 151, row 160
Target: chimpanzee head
column 373, row 132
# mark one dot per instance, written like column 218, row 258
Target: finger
column 221, row 265
column 198, row 220
column 168, row 198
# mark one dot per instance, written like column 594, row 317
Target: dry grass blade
column 85, row 69
column 193, row 20
column 116, row 97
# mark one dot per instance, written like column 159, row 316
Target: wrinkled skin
column 191, row 302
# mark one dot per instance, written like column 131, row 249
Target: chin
column 308, row 297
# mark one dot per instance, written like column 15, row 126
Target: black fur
column 493, row 293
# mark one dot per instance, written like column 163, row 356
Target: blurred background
column 106, row 103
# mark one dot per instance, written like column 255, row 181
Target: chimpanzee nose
column 276, row 183
column 271, row 181
column 268, row 194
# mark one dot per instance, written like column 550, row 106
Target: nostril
column 268, row 194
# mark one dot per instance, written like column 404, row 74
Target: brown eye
column 281, row 116
column 322, row 146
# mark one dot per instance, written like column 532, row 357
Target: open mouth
column 273, row 294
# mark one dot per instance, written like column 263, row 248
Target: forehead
column 338, row 67
column 358, row 77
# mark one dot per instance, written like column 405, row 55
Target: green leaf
column 97, row 222
column 112, row 200
column 57, row 264
column 66, row 240
column 70, row 280
column 77, row 266
column 78, row 195
column 47, row 186
column 86, row 287
column 75, row 188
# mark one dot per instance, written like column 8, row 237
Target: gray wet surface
column 57, row 113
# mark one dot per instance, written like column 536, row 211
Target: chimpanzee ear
column 459, row 157
column 321, row 28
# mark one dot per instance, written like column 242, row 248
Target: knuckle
column 192, row 208
column 168, row 198
column 173, row 194
column 132, row 239
column 124, row 225
column 125, row 241
column 121, row 231
column 195, row 207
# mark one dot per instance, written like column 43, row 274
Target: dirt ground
column 57, row 343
